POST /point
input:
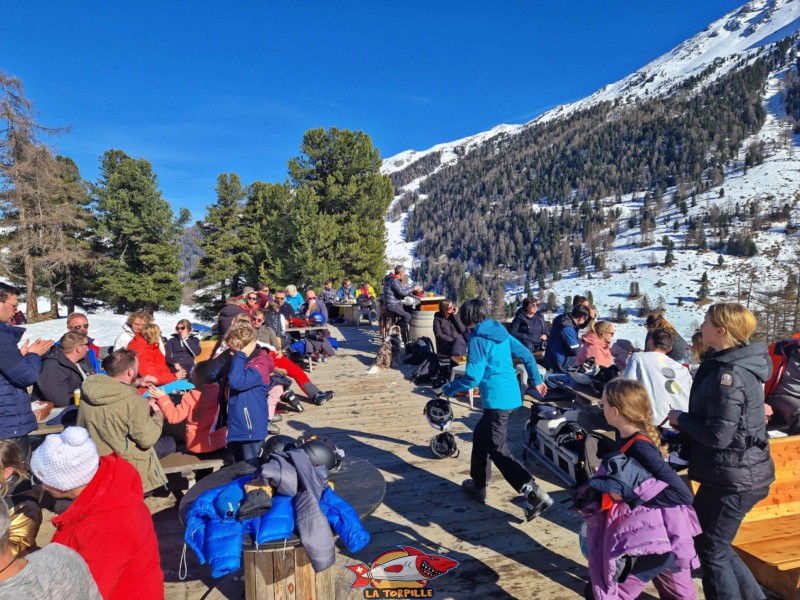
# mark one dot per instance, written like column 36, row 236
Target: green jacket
column 118, row 420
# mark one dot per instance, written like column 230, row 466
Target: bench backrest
column 784, row 494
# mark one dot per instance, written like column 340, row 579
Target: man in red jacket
column 108, row 523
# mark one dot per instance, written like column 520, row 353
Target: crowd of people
column 107, row 460
column 114, row 406
column 644, row 524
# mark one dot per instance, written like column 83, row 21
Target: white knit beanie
column 66, row 461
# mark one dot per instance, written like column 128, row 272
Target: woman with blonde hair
column 654, row 540
column 598, row 343
column 657, row 321
column 724, row 434
column 20, row 498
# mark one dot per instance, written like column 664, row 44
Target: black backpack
column 420, row 350
column 426, row 372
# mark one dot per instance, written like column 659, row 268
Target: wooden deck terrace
column 379, row 418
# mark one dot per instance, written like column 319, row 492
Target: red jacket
column 151, row 360
column 200, row 408
column 110, row 526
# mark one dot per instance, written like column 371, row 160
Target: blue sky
column 204, row 87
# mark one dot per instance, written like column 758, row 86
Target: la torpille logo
column 402, row 573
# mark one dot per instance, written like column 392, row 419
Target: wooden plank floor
column 379, row 418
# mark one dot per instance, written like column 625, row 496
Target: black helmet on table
column 321, row 451
column 439, row 413
column 276, row 443
column 444, row 445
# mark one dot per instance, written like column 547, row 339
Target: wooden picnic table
column 45, row 429
column 282, row 569
column 350, row 312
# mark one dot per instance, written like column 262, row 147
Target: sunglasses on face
column 180, row 328
column 258, row 320
column 78, row 327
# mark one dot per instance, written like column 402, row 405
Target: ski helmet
column 586, row 373
column 439, row 413
column 317, row 317
column 321, row 451
column 443, row 445
column 277, row 443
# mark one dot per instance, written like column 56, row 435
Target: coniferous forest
column 532, row 205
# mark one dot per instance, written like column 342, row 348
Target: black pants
column 165, row 446
column 720, row 513
column 246, row 451
column 490, row 441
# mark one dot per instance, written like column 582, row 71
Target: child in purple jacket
column 640, row 520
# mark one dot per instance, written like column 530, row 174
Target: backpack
column 426, row 372
column 779, row 353
column 420, row 350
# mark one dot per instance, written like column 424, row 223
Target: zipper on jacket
column 247, row 419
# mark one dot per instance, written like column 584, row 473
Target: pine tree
column 669, row 257
column 226, row 254
column 468, row 289
column 139, row 232
column 42, row 206
column 344, row 200
column 499, row 302
column 552, row 302
column 621, row 314
column 703, row 293
column 645, row 307
column 704, row 278
column 720, row 260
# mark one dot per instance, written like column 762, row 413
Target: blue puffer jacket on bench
column 215, row 535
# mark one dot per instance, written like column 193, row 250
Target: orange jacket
column 200, row 408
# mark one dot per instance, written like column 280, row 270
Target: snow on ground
column 104, row 326
column 774, row 183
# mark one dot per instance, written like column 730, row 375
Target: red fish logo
column 408, row 567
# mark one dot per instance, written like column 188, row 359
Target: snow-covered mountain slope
column 736, row 35
column 775, row 183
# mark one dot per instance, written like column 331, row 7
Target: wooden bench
column 188, row 464
column 769, row 539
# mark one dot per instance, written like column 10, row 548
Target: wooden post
column 283, row 574
column 304, row 576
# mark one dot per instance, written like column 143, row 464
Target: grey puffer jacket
column 725, row 428
column 292, row 474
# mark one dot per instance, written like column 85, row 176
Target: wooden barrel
column 284, row 573
column 421, row 325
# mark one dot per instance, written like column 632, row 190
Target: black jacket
column 394, row 292
column 59, row 378
column 226, row 317
column 528, row 330
column 725, row 427
column 182, row 351
column 446, row 331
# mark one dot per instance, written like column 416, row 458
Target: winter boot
column 468, row 485
column 321, row 398
column 536, row 500
column 290, row 398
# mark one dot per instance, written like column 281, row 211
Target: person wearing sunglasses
column 268, row 339
column 64, row 369
column 284, row 308
column 182, row 347
column 19, row 368
column 79, row 323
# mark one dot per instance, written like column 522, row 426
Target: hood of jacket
column 491, row 330
column 591, row 339
column 116, row 485
column 56, row 354
column 753, row 357
column 102, row 390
